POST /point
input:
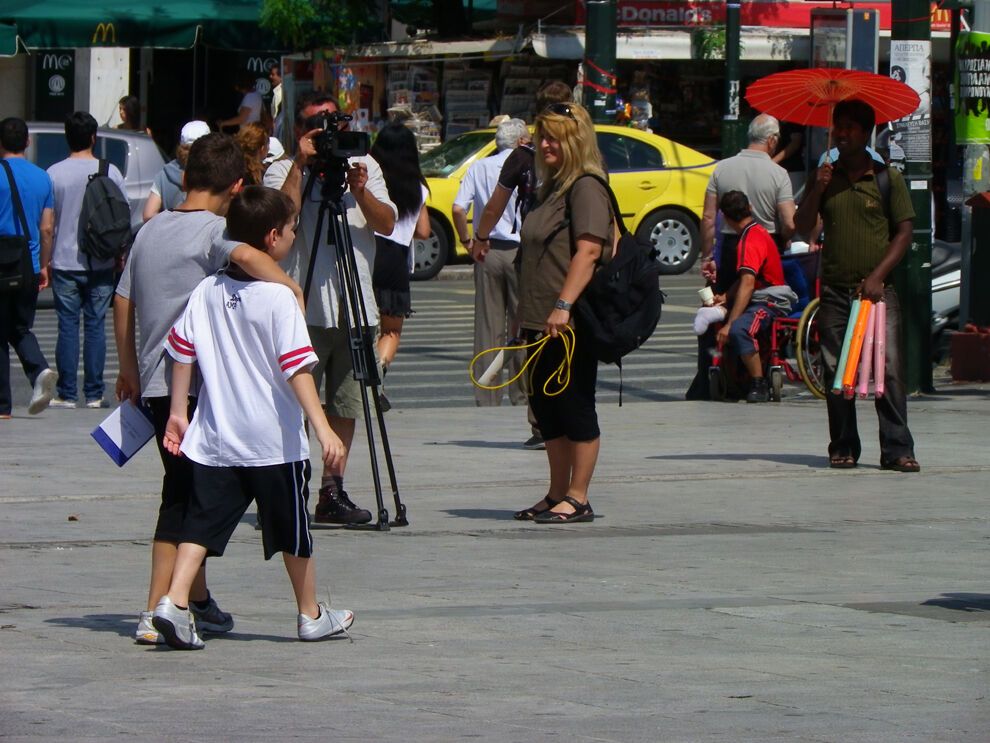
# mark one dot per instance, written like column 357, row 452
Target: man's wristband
column 560, row 304
column 480, row 239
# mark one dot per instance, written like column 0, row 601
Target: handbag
column 16, row 267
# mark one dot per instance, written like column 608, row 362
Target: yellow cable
column 562, row 374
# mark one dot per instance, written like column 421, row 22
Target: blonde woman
column 558, row 260
column 253, row 141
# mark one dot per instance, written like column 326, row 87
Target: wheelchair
column 790, row 349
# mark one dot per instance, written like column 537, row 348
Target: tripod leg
column 400, row 509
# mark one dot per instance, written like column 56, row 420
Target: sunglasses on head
column 561, row 109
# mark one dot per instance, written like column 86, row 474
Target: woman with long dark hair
column 395, row 150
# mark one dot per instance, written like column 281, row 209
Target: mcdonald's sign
column 106, row 33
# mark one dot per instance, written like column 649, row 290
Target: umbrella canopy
column 176, row 24
column 808, row 96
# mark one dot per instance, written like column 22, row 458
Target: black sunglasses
column 561, row 109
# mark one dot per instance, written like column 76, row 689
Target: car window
column 49, row 148
column 625, row 153
column 114, row 150
column 448, row 157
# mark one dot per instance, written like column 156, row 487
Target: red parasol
column 808, row 96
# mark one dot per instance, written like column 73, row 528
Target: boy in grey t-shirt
column 172, row 254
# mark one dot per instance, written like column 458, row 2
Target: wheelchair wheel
column 776, row 383
column 809, row 353
column 717, row 386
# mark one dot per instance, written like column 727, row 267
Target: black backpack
column 620, row 307
column 105, row 218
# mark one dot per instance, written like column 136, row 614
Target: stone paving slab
column 735, row 589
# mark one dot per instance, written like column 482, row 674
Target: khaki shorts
column 342, row 395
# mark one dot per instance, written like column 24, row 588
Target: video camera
column 334, row 143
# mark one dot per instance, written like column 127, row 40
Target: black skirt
column 390, row 278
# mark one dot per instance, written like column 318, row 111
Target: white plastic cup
column 707, row 296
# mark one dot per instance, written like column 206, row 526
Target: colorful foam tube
column 855, row 348
column 880, row 349
column 840, row 369
column 866, row 358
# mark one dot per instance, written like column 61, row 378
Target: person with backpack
column 564, row 238
column 89, row 236
column 868, row 218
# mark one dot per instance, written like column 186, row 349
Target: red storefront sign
column 767, row 13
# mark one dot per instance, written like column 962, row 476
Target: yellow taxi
column 660, row 186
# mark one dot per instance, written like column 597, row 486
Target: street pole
column 911, row 49
column 730, row 117
column 599, row 60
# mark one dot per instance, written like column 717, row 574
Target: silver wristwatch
column 560, row 304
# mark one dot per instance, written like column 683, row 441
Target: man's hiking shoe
column 758, row 392
column 211, row 619
column 146, row 634
column 44, row 390
column 330, row 622
column 338, row 509
column 177, row 626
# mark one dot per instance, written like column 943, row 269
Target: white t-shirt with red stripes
column 248, row 338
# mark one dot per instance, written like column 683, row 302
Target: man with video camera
column 368, row 209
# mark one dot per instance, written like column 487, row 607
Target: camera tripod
column 355, row 319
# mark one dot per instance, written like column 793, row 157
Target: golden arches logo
column 105, row 31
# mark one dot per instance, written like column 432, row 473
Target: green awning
column 8, row 40
column 177, row 24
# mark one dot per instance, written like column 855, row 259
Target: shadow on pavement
column 474, row 444
column 969, row 602
column 815, row 461
column 485, row 514
column 120, row 624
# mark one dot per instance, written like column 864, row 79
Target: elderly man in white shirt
column 368, row 209
column 496, row 283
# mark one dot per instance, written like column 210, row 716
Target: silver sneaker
column 330, row 622
column 146, row 634
column 58, row 402
column 44, row 390
column 98, row 403
column 211, row 619
column 176, row 625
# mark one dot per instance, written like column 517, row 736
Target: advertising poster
column 911, row 138
column 972, row 88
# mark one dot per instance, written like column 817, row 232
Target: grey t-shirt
column 171, row 255
column 765, row 184
column 69, row 179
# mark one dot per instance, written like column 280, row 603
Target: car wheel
column 430, row 255
column 676, row 238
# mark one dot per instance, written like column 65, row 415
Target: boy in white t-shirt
column 247, row 440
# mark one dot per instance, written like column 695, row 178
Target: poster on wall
column 54, row 84
column 911, row 138
column 972, row 88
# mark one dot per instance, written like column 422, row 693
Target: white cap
column 275, row 151
column 193, row 131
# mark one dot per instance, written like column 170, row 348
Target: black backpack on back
column 620, row 307
column 105, row 218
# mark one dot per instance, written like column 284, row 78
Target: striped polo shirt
column 857, row 231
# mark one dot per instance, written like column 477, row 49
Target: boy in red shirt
column 758, row 295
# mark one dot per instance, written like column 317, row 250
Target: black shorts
column 177, row 483
column 571, row 413
column 222, row 494
column 390, row 278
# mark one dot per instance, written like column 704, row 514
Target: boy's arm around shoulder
column 258, row 264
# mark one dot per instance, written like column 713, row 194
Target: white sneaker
column 98, row 403
column 176, row 625
column 330, row 622
column 146, row 634
column 44, row 390
column 58, row 402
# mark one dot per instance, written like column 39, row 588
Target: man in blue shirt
column 17, row 308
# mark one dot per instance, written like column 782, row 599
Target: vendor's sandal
column 842, row 461
column 582, row 512
column 529, row 514
column 902, row 464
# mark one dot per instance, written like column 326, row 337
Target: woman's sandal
column 528, row 514
column 582, row 512
column 902, row 464
column 841, row 461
